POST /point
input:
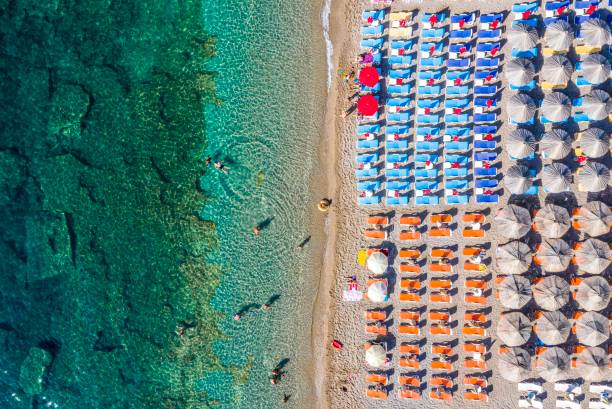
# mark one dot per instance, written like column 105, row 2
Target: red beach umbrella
column 368, row 76
column 367, row 105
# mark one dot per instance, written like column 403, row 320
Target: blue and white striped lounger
column 433, row 33
column 457, row 199
column 368, row 144
column 397, row 200
column 432, row 62
column 485, row 172
column 427, row 200
column 376, row 15
column 368, row 200
column 368, row 185
column 428, row 119
column 480, row 118
column 531, row 53
column 429, row 90
column 489, row 34
column 398, row 185
column 458, row 90
column 399, row 144
column 372, row 31
column 375, row 43
column 462, row 159
column 427, row 146
column 487, row 62
column 485, row 156
column 400, row 60
column 398, row 117
column 487, row 198
column 457, row 184
column 485, row 89
column 461, row 34
column 367, row 158
column 422, row 173
column 455, row 172
column 425, row 157
column 397, row 173
column 426, row 185
column 366, row 173
column 457, row 119
column 458, row 63
column 486, row 183
column 457, row 146
column 485, row 145
column 425, row 130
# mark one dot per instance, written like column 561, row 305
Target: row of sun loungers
column 412, row 228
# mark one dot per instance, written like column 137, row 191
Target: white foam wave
column 328, row 43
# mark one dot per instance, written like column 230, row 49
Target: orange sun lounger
column 410, row 349
column 410, row 315
column 473, row 218
column 375, row 315
column 446, row 284
column 436, row 329
column 478, row 331
column 475, row 347
column 475, row 299
column 410, row 253
column 373, row 377
column 441, row 253
column 442, row 349
column 472, row 363
column 378, row 220
column 441, row 381
column 470, row 233
column 440, row 297
column 470, row 380
column 376, row 329
column 442, row 365
column 375, row 234
column 479, row 284
column 406, row 362
column 473, row 267
column 472, row 251
column 407, row 392
column 475, row 316
column 475, row 396
column 406, row 296
column 408, row 283
column 439, row 232
column 440, row 268
column 410, row 268
column 410, row 381
column 377, row 394
column 406, row 329
column 410, row 221
column 437, row 315
column 441, row 395
column 410, row 235
column 440, row 218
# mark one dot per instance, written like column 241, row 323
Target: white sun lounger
column 599, row 388
column 568, row 388
column 525, row 403
column 596, row 403
column 527, row 386
column 567, row 404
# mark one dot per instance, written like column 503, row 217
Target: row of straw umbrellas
column 557, row 70
column 556, row 144
column 559, row 36
column 557, row 178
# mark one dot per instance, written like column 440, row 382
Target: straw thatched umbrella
column 522, row 37
column 594, row 142
column 519, row 72
column 514, row 292
column 377, row 263
column 554, row 255
column 593, row 293
column 556, row 106
column 592, row 364
column 559, row 35
column 592, row 328
column 595, row 218
column 595, row 32
column 593, row 256
column 556, row 144
column 551, row 293
column 513, row 257
column 520, row 143
column 552, row 221
column 518, row 179
column 554, row 364
column 593, row 177
column 556, row 178
column 552, row 328
column 514, row 328
column 376, row 355
column 597, row 104
column 521, row 107
column 377, row 291
column 513, row 221
column 557, row 69
column 514, row 365
column 596, row 68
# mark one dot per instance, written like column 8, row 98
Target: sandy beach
column 340, row 374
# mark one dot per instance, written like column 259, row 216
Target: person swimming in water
column 222, row 167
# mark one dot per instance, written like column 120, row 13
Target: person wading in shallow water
column 285, row 398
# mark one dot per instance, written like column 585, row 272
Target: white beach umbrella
column 595, row 32
column 593, row 256
column 554, row 255
column 377, row 291
column 559, row 35
column 593, row 177
column 592, row 364
column 596, row 69
column 513, row 258
column 376, row 355
column 514, row 292
column 554, row 364
column 518, row 179
column 594, row 142
column 519, row 72
column 557, row 69
column 594, row 218
column 597, row 105
column 514, row 365
column 521, row 107
column 592, row 328
column 514, row 328
column 552, row 328
column 552, row 221
column 513, row 221
column 593, row 293
column 556, row 144
column 556, row 106
column 377, row 263
column 520, row 143
column 551, row 293
column 522, row 37
column 556, row 178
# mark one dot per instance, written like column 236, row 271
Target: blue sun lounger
column 367, row 158
column 486, row 183
column 531, row 53
column 523, row 7
column 368, row 200
column 485, row 129
column 397, row 200
column 375, row 43
column 403, row 73
column 400, row 60
column 457, row 118
column 368, row 144
column 457, row 90
column 456, row 146
column 554, row 5
column 371, row 90
column 456, row 48
column 485, row 156
column 464, row 34
column 457, row 199
column 459, row 131
column 397, row 173
column 426, row 185
column 399, row 89
column 527, row 87
column 487, row 62
column 396, row 130
column 398, row 185
column 487, row 47
column 457, row 184
column 428, row 130
column 485, row 144
column 424, row 157
column 491, row 17
column 462, row 159
column 432, row 62
column 405, row 44
column 397, row 158
column 529, row 122
column 427, row 200
column 581, row 117
column 372, row 31
column 430, row 74
column 367, row 173
column 531, row 156
column 487, row 198
column 398, row 117
column 462, row 75
column 457, row 103
column 429, row 90
column 428, row 103
column 376, row 15
column 422, row 173
column 455, row 172
column 532, row 22
column 433, row 33
column 468, row 18
column 441, row 15
column 426, row 47
column 368, row 185
column 364, row 129
column 427, row 146
column 483, row 74
column 399, row 102
column 489, row 34
column 549, row 20
column 428, row 119
column 399, row 144
column 485, row 172
column 458, row 63
column 482, row 102
column 485, row 89
column 480, row 118
column 545, row 120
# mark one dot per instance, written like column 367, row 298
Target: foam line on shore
column 329, row 48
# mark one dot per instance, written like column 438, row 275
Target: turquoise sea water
column 115, row 237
